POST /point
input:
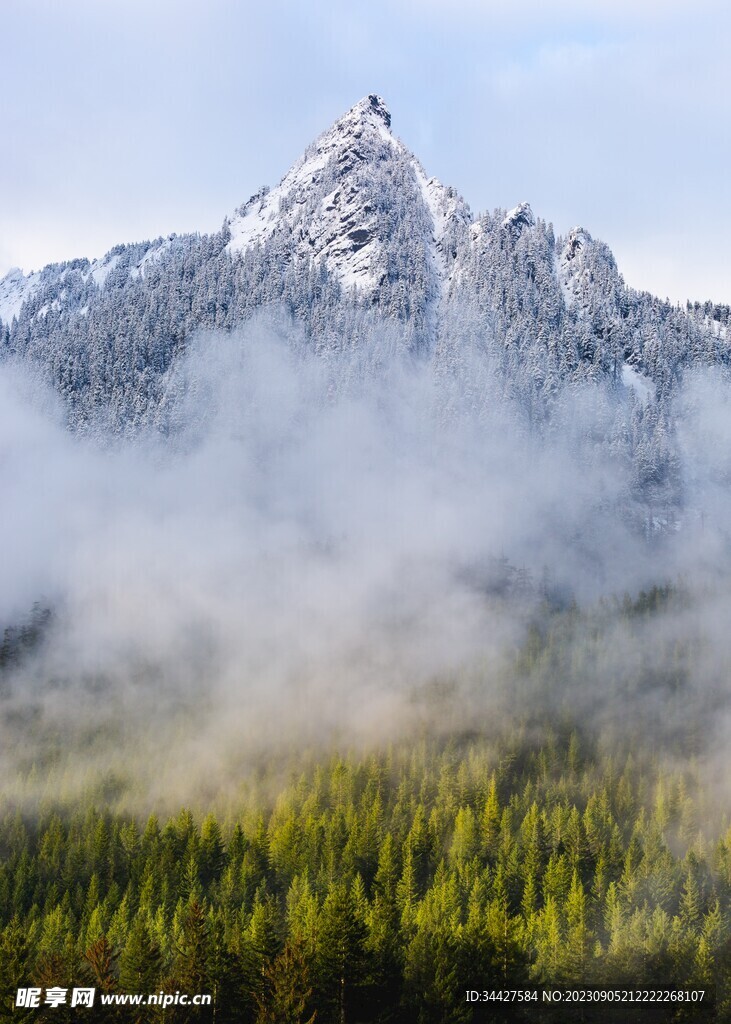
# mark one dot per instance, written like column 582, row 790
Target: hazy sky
column 126, row 119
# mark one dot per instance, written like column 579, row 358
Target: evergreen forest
column 542, row 846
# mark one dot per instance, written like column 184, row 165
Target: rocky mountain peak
column 576, row 240
column 337, row 204
column 520, row 217
column 368, row 122
column 370, row 108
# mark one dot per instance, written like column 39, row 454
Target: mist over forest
column 303, row 550
column 442, row 701
column 365, row 577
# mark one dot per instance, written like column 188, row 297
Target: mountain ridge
column 339, row 231
column 259, row 217
column 356, row 233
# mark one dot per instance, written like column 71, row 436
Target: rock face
column 520, row 217
column 356, row 229
column 340, row 204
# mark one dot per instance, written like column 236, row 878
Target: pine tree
column 579, row 939
column 14, row 969
column 212, row 852
column 140, row 962
column 190, row 967
column 287, row 994
column 99, row 958
column 340, row 953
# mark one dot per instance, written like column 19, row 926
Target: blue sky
column 127, row 120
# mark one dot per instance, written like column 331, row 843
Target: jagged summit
column 372, row 106
column 521, row 216
column 576, row 240
column 340, row 203
column 306, row 193
column 369, row 118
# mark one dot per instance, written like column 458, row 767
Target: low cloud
column 300, row 550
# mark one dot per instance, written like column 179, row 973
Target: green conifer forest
column 383, row 883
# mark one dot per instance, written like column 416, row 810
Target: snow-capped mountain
column 360, row 205
column 332, row 201
column 357, row 229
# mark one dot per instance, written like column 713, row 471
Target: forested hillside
column 381, row 885
column 382, row 888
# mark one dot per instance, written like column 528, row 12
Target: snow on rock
column 446, row 207
column 327, row 202
column 444, row 204
column 521, row 216
column 571, row 265
column 15, row 289
column 334, row 224
column 101, row 269
column 156, row 253
column 576, row 241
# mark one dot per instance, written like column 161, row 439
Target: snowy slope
column 328, row 201
column 15, row 289
column 52, row 283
